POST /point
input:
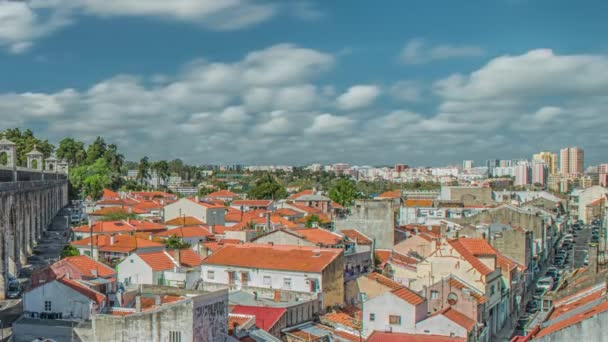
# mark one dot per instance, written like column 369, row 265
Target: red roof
column 386, row 281
column 457, row 317
column 408, row 295
column 418, row 203
column 341, row 318
column 265, row 317
column 460, row 285
column 109, row 194
column 190, row 258
column 187, row 232
column 251, row 203
column 147, row 226
column 390, row 194
column 286, row 258
column 214, row 245
column 358, row 237
column 320, row 236
column 89, row 267
column 469, row 257
column 109, row 210
column 84, row 290
column 208, row 205
column 146, row 207
column 158, row 261
column 301, row 193
column 149, row 303
column 184, row 221
column 122, row 243
column 478, row 246
column 574, row 319
column 222, row 194
column 287, row 212
column 383, row 255
column 106, row 227
column 378, row 336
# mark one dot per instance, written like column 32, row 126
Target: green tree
column 90, row 180
column 174, row 242
column 71, row 151
column 266, row 187
column 343, row 192
column 68, row 251
column 118, row 216
column 143, row 170
column 312, row 221
column 161, row 168
column 25, row 142
column 96, row 150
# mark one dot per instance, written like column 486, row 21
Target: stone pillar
column 3, row 231
column 34, row 159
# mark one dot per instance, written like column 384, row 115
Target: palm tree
column 143, row 170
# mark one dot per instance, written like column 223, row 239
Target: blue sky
column 419, row 82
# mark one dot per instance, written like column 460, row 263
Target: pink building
column 522, row 174
column 540, row 172
column 571, row 161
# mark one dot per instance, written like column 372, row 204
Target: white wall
column 185, row 207
column 135, row 268
column 384, row 305
column 256, row 278
column 69, row 302
column 440, row 325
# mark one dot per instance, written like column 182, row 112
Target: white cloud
column 417, row 51
column 23, row 22
column 358, row 96
column 330, row 124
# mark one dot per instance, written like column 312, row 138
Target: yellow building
column 549, row 158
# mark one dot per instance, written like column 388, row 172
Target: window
column 210, row 275
column 372, row 317
column 492, row 290
column 267, row 281
column 231, row 277
column 47, row 305
column 175, row 336
column 244, row 278
column 434, row 294
column 394, row 320
column 287, row 283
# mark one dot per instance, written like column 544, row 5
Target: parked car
column 538, row 293
column 13, row 290
column 553, row 272
column 586, row 260
column 532, row 306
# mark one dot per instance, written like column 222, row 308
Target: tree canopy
column 343, row 192
column 267, row 187
column 25, row 142
column 174, row 242
column 68, row 251
column 90, row 180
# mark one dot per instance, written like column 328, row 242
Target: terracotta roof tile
column 187, row 232
column 222, row 194
column 89, row 267
column 265, row 317
column 320, row 236
column 418, row 203
column 453, row 282
column 184, row 221
column 378, row 336
column 288, row 258
column 149, row 303
column 109, row 194
column 107, row 227
column 357, row 236
column 158, row 261
column 572, row 320
column 251, row 203
column 190, row 258
column 147, row 226
column 457, row 317
column 122, row 243
column 342, row 319
column 287, row 212
column 383, row 256
column 469, row 257
column 109, row 211
column 408, row 295
column 388, row 282
column 390, row 194
column 301, row 193
column 207, row 204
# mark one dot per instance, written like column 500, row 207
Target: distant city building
column 467, row 164
column 340, row 168
column 505, row 163
column 571, row 161
column 539, row 172
column 549, row 158
column 401, row 167
column 522, row 174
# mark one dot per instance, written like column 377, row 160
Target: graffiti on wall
column 211, row 317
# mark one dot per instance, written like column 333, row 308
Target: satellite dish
column 452, row 298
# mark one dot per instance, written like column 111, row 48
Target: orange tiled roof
column 152, row 194
column 208, row 205
column 184, row 221
column 559, row 310
column 408, row 295
column 122, row 243
column 158, row 261
column 216, row 245
column 469, row 257
column 379, row 336
column 287, row 212
column 251, row 203
column 146, row 207
column 275, row 220
column 386, row 281
column 222, row 194
column 306, row 209
column 479, row 246
column 390, row 194
column 265, row 317
column 106, row 227
column 109, row 194
column 572, row 320
column 86, row 291
column 457, row 317
column 287, row 258
column 383, row 255
column 186, row 232
column 147, row 226
column 320, row 236
column 342, row 319
column 238, row 320
column 418, row 203
column 460, row 285
column 189, row 258
column 109, row 210
column 149, row 303
column 356, row 236
column 301, row 193
column 89, row 267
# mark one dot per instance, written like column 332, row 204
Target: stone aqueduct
column 30, row 197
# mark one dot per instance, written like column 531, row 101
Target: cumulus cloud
column 22, row 22
column 358, row 96
column 417, row 51
column 406, row 91
column 214, row 112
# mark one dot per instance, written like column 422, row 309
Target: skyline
column 309, row 81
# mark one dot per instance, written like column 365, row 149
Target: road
column 580, row 248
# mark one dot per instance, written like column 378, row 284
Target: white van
column 545, row 283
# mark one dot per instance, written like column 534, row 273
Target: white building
column 210, row 213
column 179, row 268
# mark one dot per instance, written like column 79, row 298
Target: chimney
column 212, row 228
column 138, row 303
column 196, row 198
column 112, row 239
column 268, row 221
column 277, row 296
column 157, row 300
column 67, row 275
column 176, row 256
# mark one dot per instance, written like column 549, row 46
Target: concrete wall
column 332, row 284
column 70, row 303
column 136, row 269
column 375, row 219
column 187, row 207
column 387, row 304
column 591, row 329
column 26, row 210
column 279, row 237
column 29, row 329
column 468, row 195
column 466, row 303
